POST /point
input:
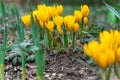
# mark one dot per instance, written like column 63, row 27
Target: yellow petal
column 76, row 27
column 59, row 9
column 118, row 55
column 26, row 20
column 85, row 21
column 69, row 22
column 50, row 25
column 59, row 30
column 58, row 20
column 102, row 61
column 41, row 24
column 110, row 56
column 78, row 16
column 87, row 51
column 85, row 10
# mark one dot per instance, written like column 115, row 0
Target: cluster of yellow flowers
column 49, row 16
column 107, row 51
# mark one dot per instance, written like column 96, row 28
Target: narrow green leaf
column 116, row 5
column 65, row 37
column 3, row 8
column 113, row 10
column 5, row 38
column 111, row 18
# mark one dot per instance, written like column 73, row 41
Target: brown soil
column 61, row 67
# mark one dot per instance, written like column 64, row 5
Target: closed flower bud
column 50, row 25
column 26, row 20
column 110, row 56
column 90, row 49
column 59, row 9
column 85, row 10
column 59, row 29
column 41, row 24
column 76, row 27
column 78, row 16
column 85, row 21
column 102, row 60
column 58, row 20
column 69, row 22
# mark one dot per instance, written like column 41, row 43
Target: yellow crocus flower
column 37, row 14
column 116, row 37
column 106, row 38
column 50, row 25
column 107, row 50
column 110, row 56
column 59, row 29
column 118, row 55
column 58, row 20
column 43, row 16
column 76, row 27
column 90, row 49
column 78, row 16
column 102, row 60
column 26, row 20
column 51, row 11
column 59, row 9
column 85, row 20
column 87, row 51
column 69, row 22
column 42, row 7
column 85, row 10
column 41, row 24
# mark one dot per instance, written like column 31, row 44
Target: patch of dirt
column 60, row 67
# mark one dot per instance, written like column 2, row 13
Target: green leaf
column 113, row 10
column 45, row 39
column 31, row 58
column 3, row 8
column 111, row 18
column 24, row 44
column 11, row 47
column 14, row 62
column 33, row 48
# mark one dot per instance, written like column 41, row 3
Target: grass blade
column 113, row 10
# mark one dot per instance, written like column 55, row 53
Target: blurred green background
column 63, row 2
column 99, row 13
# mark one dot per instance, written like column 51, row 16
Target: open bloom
column 104, row 52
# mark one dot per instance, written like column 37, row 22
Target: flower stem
column 1, row 72
column 102, row 74
column 23, row 74
column 116, row 70
column 73, row 39
column 108, row 73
